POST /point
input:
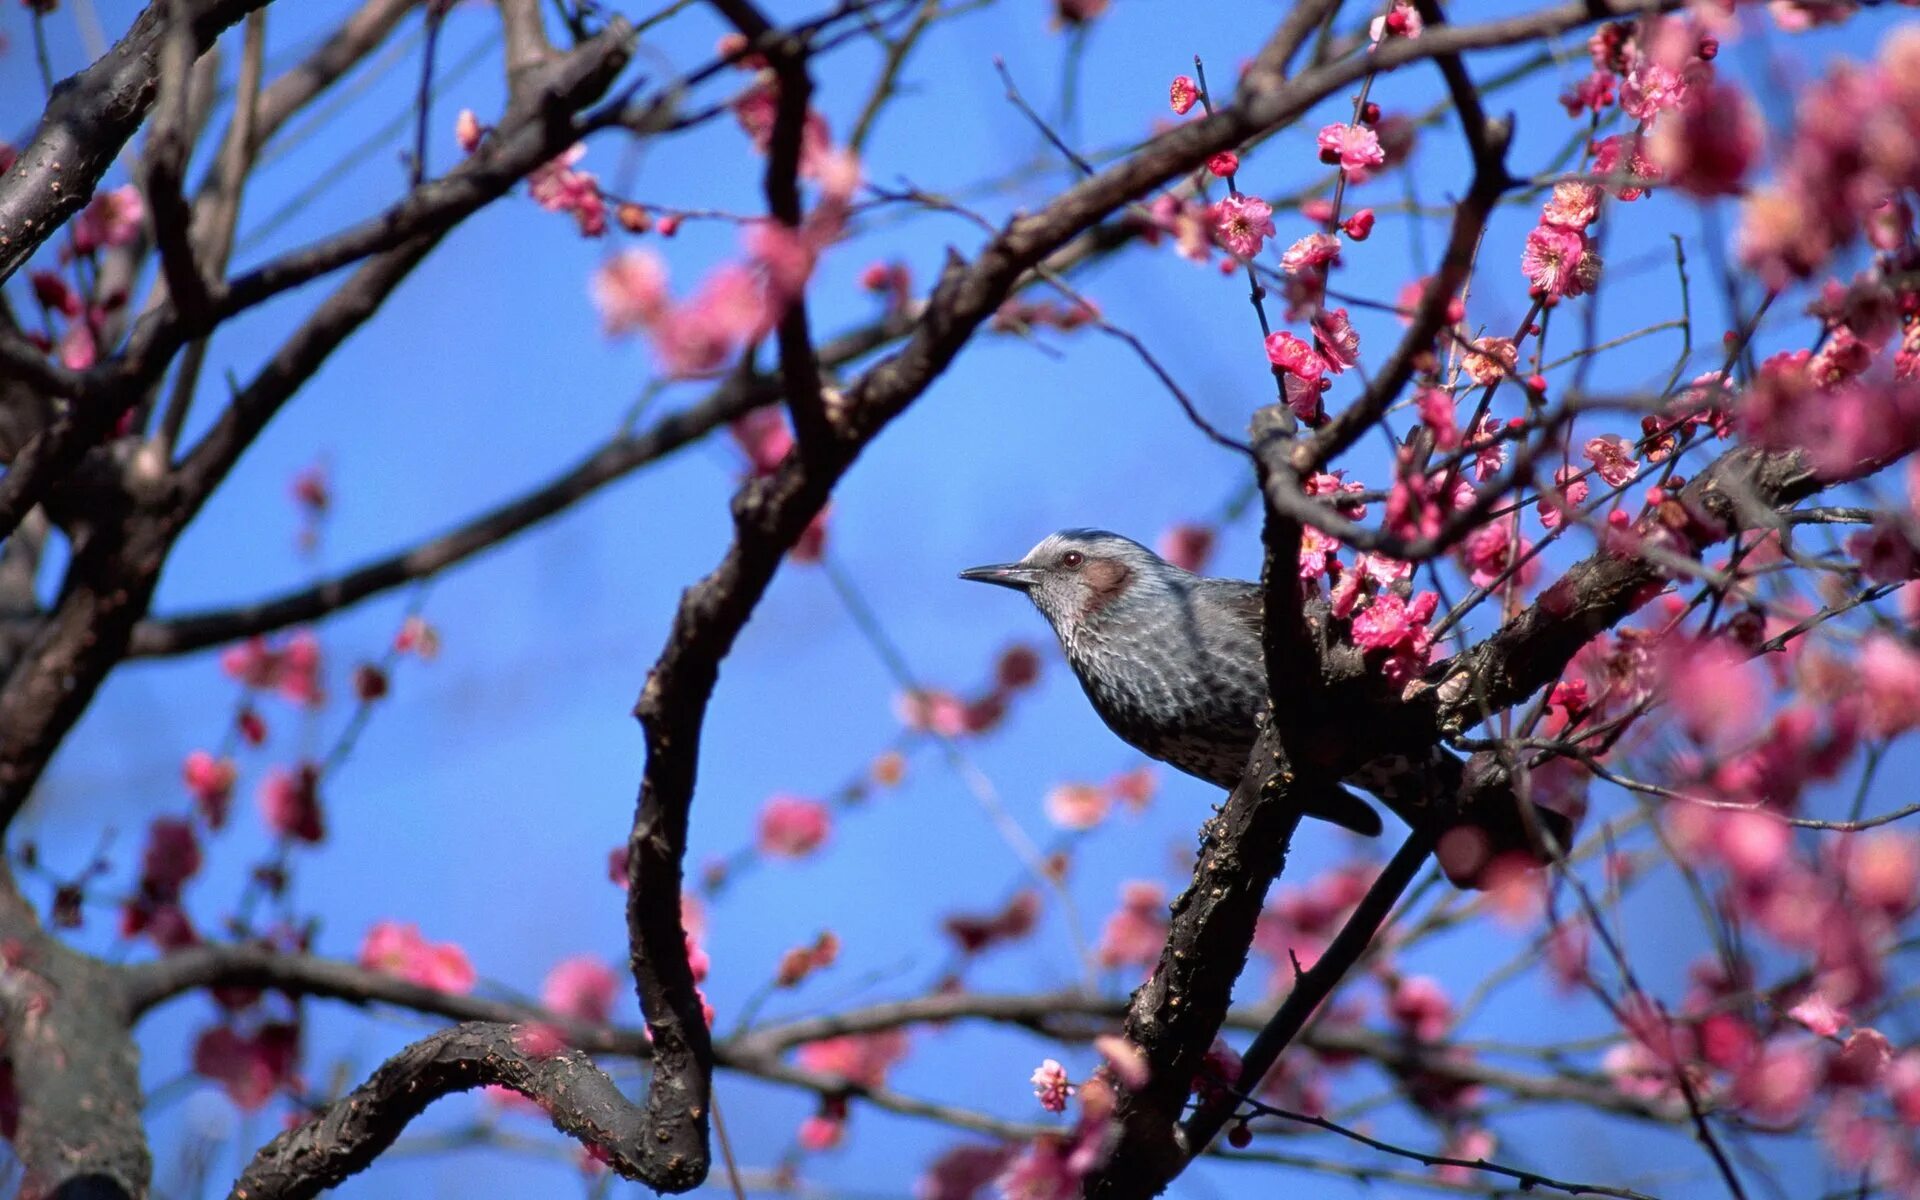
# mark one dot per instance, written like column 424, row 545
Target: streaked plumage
column 1172, row 661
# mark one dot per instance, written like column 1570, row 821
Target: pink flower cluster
column 946, row 714
column 291, row 668
column 1135, row 932
column 251, row 1068
column 739, row 302
column 1855, row 147
column 397, row 949
column 1082, row 806
column 793, row 826
column 1559, row 260
column 975, row 933
column 557, row 187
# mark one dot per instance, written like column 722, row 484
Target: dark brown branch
column 1175, row 1015
column 169, row 143
column 1312, row 987
column 89, row 118
column 345, row 1139
column 799, row 367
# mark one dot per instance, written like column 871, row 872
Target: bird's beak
column 1017, row 576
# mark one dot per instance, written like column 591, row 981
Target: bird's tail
column 1346, row 810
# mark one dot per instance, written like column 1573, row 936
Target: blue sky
column 484, row 798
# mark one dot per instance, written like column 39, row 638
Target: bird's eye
column 1072, row 559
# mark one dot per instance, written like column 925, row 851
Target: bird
column 1171, row 661
column 1175, row 664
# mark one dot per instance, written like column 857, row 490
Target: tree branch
column 89, row 118
column 353, row 1131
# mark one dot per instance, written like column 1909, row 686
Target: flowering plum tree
column 1563, row 367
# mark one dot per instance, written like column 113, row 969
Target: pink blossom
column 1356, row 149
column 1335, row 340
column 1776, row 1085
column 211, row 781
column 792, row 826
column 557, row 187
column 1420, row 1005
column 1224, row 165
column 1402, row 20
column 467, row 130
column 1241, row 224
column 1390, row 622
column 1317, row 553
column 112, row 219
column 1566, row 955
column 1574, row 205
column 1045, row 1170
column 1712, row 687
column 1470, row 1145
column 1612, row 458
column 765, row 437
column 1592, row 93
column 1883, row 870
column 1651, row 88
column 1295, row 356
column 862, row 1059
column 630, row 290
column 1186, row 546
column 962, row 1172
column 822, row 1131
column 1309, row 253
column 1128, row 1061
column 78, row 348
column 171, row 857
column 249, row 1069
column 1623, row 166
column 398, row 949
column 1183, row 93
column 1491, row 360
column 1134, row 789
column 1709, row 144
column 1818, row 1014
column 1755, row 845
column 1017, row 667
column 1077, row 806
column 1861, row 1060
column 700, row 336
column 299, row 674
column 1051, row 1086
column 1359, row 226
column 581, row 987
column 1134, row 933
column 1558, row 261
column 932, row 710
column 290, row 803
column 1889, row 673
column 1437, row 408
column 1491, row 550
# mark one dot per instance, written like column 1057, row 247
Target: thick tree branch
column 76, row 1071
column 1312, row 987
column 89, row 118
column 353, row 1131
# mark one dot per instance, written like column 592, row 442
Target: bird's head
column 1078, row 578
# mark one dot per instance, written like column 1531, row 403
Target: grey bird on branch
column 1173, row 663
